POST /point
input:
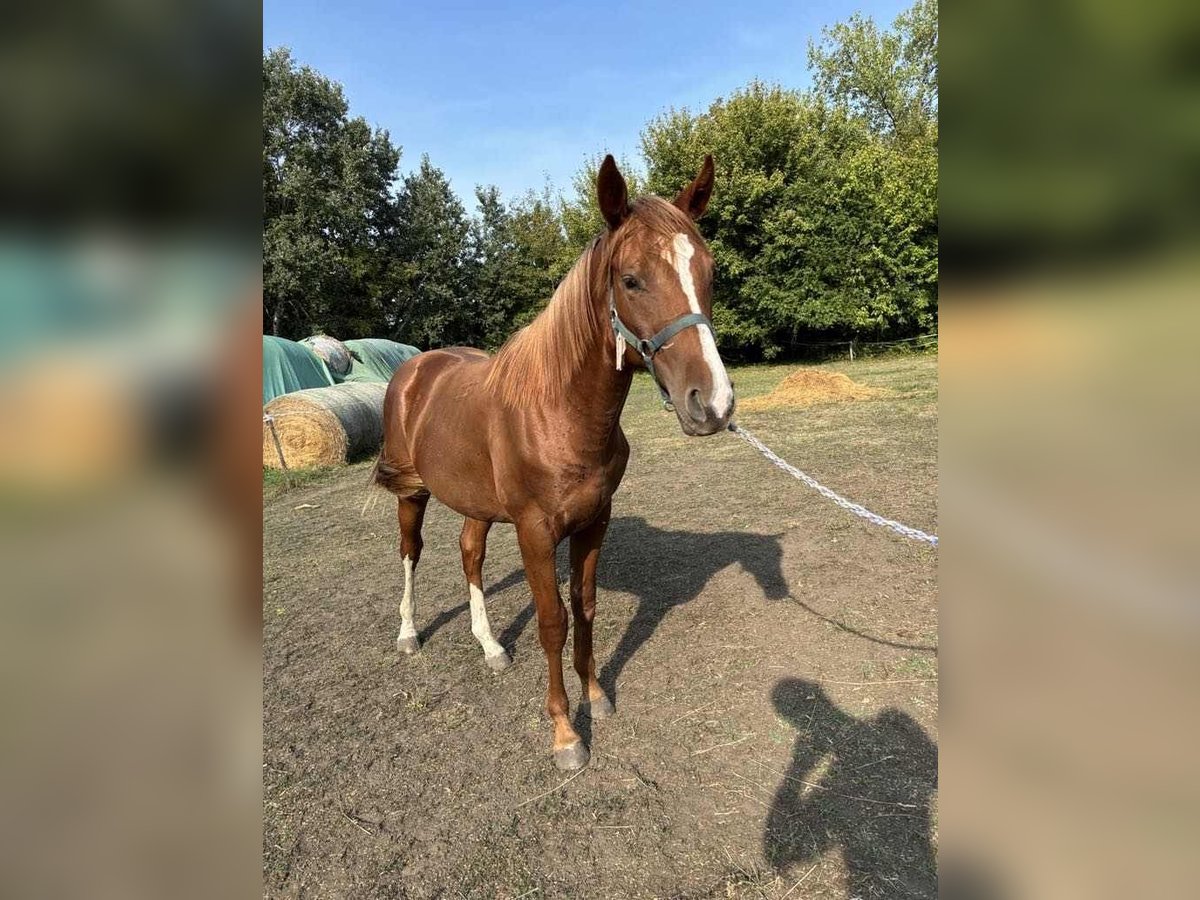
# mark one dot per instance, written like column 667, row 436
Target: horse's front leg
column 537, row 551
column 585, row 554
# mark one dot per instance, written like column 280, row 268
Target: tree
column 326, row 204
column 428, row 299
column 819, row 227
column 581, row 218
column 495, row 260
column 518, row 250
column 541, row 248
column 824, row 224
column 889, row 78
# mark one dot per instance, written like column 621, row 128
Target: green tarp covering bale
column 288, row 367
column 376, row 359
column 325, row 426
column 333, row 353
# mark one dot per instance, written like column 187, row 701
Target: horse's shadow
column 663, row 569
column 862, row 786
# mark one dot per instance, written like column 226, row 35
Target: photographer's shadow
column 862, row 786
column 663, row 569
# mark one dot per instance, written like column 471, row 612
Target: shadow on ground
column 662, row 569
column 860, row 786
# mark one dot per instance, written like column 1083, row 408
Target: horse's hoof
column 597, row 707
column 408, row 645
column 571, row 758
column 499, row 662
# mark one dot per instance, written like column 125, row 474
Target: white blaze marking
column 480, row 627
column 722, row 395
column 406, row 603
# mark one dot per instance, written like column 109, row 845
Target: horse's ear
column 612, row 193
column 694, row 198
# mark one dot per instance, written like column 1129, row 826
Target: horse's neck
column 598, row 390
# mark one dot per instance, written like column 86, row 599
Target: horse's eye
column 630, row 282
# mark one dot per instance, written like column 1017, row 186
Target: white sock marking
column 408, row 600
column 480, row 627
column 722, row 396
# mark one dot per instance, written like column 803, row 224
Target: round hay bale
column 806, row 387
column 325, row 426
column 335, row 354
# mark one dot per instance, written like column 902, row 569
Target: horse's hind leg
column 411, row 512
column 473, row 543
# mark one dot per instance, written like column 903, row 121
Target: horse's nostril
column 695, row 405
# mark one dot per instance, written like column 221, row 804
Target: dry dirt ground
column 773, row 661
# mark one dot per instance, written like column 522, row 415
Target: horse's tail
column 401, row 479
column 394, row 470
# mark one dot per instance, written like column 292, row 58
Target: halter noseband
column 649, row 347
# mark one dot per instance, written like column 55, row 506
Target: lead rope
column 861, row 511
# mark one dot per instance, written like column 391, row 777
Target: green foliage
column 823, row 223
column 326, row 198
column 431, row 301
column 518, row 249
column 346, row 253
column 888, row 78
column 824, row 219
column 581, row 217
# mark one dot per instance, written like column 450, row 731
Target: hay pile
column 325, row 426
column 806, row 387
column 333, row 353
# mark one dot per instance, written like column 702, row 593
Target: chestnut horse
column 532, row 435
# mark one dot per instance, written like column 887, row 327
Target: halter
column 649, row 347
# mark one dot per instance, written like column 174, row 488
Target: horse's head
column 660, row 275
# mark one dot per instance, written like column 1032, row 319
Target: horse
column 532, row 435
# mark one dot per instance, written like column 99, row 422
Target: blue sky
column 514, row 93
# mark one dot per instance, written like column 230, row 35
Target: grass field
column 773, row 661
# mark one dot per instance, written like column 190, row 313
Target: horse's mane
column 538, row 362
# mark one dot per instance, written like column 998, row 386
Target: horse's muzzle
column 697, row 416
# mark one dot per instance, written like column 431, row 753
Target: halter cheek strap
column 648, row 347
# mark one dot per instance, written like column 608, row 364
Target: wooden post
column 851, row 349
column 287, row 474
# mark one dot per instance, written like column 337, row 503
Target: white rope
column 861, row 511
